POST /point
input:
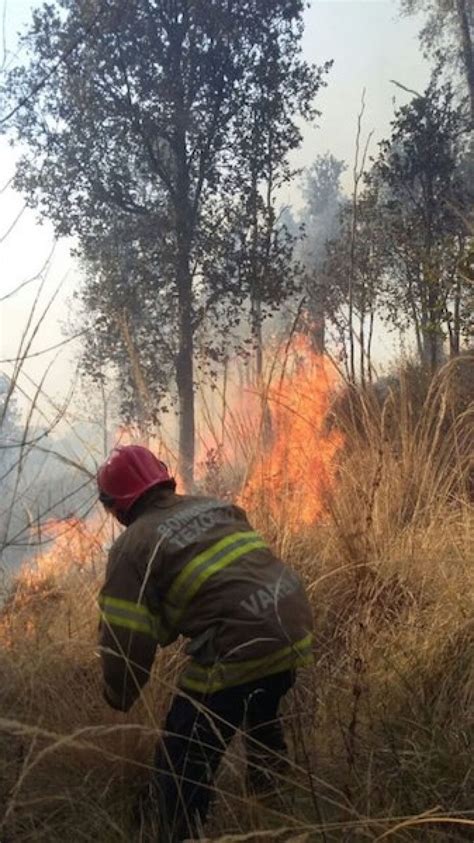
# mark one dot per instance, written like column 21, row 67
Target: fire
column 281, row 434
column 72, row 545
column 295, row 474
column 278, row 428
column 73, row 556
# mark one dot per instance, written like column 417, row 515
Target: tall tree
column 134, row 109
column 361, row 262
column 321, row 217
column 449, row 27
column 422, row 198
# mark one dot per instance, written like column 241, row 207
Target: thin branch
column 358, row 172
column 42, row 516
column 58, row 408
column 23, row 447
column 18, row 363
column 15, row 222
column 68, row 461
column 29, row 342
column 61, row 60
column 7, row 184
column 404, row 88
column 4, row 35
column 50, row 348
column 33, row 277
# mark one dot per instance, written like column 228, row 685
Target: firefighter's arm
column 127, row 657
column 128, row 634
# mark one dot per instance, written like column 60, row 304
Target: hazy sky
column 370, row 44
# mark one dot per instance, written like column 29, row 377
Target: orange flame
column 72, row 548
column 293, row 457
column 295, row 474
column 73, row 545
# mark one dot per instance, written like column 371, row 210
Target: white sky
column 371, row 46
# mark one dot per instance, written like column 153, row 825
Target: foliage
column 406, row 245
column 321, row 221
column 448, row 32
column 144, row 125
column 421, row 198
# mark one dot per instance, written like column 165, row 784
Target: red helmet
column 127, row 474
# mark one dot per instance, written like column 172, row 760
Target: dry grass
column 381, row 730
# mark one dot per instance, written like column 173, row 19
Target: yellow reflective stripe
column 214, row 563
column 222, row 563
column 128, row 623
column 128, row 605
column 212, row 684
column 134, row 616
column 202, row 558
column 208, row 680
column 298, row 648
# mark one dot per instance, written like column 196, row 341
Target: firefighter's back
column 206, row 574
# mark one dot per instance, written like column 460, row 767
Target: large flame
column 277, row 437
column 292, row 477
column 273, row 437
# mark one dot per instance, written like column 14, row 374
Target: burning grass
column 381, row 730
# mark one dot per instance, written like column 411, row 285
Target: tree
column 138, row 109
column 321, row 218
column 449, row 24
column 365, row 258
column 127, row 305
column 421, row 197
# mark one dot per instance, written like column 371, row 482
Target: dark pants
column 197, row 733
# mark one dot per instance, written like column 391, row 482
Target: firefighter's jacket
column 195, row 567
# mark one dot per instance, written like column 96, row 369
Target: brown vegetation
column 382, row 728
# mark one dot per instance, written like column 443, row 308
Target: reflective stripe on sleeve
column 133, row 616
column 205, row 565
column 228, row 674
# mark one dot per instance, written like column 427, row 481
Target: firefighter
column 193, row 566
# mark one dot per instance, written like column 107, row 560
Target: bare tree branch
column 404, row 88
column 12, row 225
column 33, row 278
column 50, row 348
column 28, row 342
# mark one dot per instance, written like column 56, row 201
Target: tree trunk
column 185, row 219
column 318, row 318
column 467, row 50
column 184, row 285
column 455, row 335
column 256, row 269
column 140, row 389
column 432, row 354
column 351, row 288
column 319, row 333
column 369, row 343
column 185, row 377
column 266, row 422
column 415, row 317
column 257, row 336
column 362, row 337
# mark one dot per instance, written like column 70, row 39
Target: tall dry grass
column 381, row 731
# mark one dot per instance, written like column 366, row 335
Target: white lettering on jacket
column 258, row 601
column 188, row 526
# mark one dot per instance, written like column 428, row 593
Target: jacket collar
column 161, row 498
